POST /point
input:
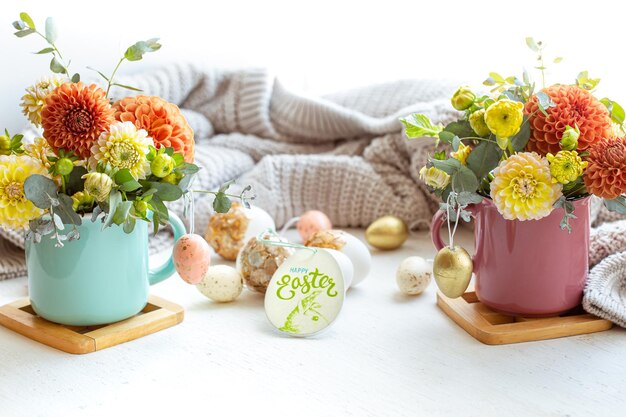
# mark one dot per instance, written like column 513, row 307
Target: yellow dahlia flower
column 566, row 166
column 98, row 185
column 33, row 100
column 477, row 122
column 15, row 210
column 434, row 177
column 462, row 153
column 523, row 189
column 504, row 117
column 40, row 150
column 123, row 146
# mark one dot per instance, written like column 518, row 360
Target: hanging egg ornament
column 387, row 233
column 228, row 232
column 349, row 245
column 453, row 270
column 257, row 261
column 312, row 221
column 413, row 275
column 221, row 283
column 192, row 257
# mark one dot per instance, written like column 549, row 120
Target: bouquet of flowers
column 529, row 151
column 120, row 161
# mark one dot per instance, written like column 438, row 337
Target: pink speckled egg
column 192, row 257
column 312, row 222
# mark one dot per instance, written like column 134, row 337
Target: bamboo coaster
column 157, row 315
column 493, row 328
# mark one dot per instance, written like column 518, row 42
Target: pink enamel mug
column 527, row 268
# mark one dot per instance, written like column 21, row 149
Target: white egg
column 413, row 275
column 347, row 269
column 260, row 221
column 221, row 283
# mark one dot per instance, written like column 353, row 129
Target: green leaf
column 583, row 81
column 121, row 212
column 179, row 160
column 462, row 129
column 464, row 180
column 489, row 82
column 130, row 185
column 222, row 203
column 19, row 25
column 24, row 32
column 225, row 186
column 75, row 183
column 45, row 51
column 136, row 51
column 115, row 198
column 123, row 175
column 557, row 60
column 166, row 191
column 465, row 197
column 484, row 158
column 159, row 208
column 187, row 168
column 418, row 125
column 449, row 166
column 28, row 20
column 127, row 87
column 456, row 143
column 617, row 112
column 497, row 77
column 440, row 155
column 40, row 191
column 129, row 225
column 530, row 42
column 520, row 140
column 66, row 212
column 56, row 66
column 544, row 102
column 51, row 30
column 446, row 137
column 617, row 205
column 76, row 78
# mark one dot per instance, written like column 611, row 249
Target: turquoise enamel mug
column 101, row 278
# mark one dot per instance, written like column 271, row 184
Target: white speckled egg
column 414, row 275
column 221, row 283
column 192, row 257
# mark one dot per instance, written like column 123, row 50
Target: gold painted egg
column 452, row 269
column 386, row 233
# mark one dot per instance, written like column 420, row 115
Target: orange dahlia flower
column 164, row 122
column 74, row 115
column 605, row 175
column 574, row 107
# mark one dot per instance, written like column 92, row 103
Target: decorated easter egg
column 312, row 221
column 221, row 283
column 258, row 261
column 386, row 233
column 307, row 292
column 413, row 275
column 347, row 244
column 453, row 271
column 228, row 232
column 192, row 257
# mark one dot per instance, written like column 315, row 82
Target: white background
column 322, row 46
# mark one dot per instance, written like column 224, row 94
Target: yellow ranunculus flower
column 504, row 117
column 477, row 122
column 566, row 166
column 462, row 153
column 15, row 209
column 434, row 177
column 523, row 189
column 463, row 98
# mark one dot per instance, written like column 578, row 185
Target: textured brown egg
column 452, row 269
column 386, row 233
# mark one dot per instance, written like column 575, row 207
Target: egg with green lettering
column 349, row 245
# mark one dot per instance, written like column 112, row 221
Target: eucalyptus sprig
column 26, row 26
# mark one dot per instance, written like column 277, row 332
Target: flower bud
column 569, row 140
column 63, row 166
column 462, row 153
column 170, row 179
column 463, row 98
column 140, row 207
column 5, row 145
column 434, row 177
column 98, row 185
column 162, row 165
column 82, row 200
column 478, row 124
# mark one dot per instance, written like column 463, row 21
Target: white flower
column 34, row 99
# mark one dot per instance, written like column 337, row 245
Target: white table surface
column 387, row 355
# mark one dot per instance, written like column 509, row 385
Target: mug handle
column 167, row 269
column 435, row 230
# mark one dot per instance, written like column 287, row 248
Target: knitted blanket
column 343, row 153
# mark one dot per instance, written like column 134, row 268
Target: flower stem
column 215, row 193
column 56, row 50
column 113, row 75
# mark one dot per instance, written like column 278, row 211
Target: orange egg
column 311, row 222
column 192, row 257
